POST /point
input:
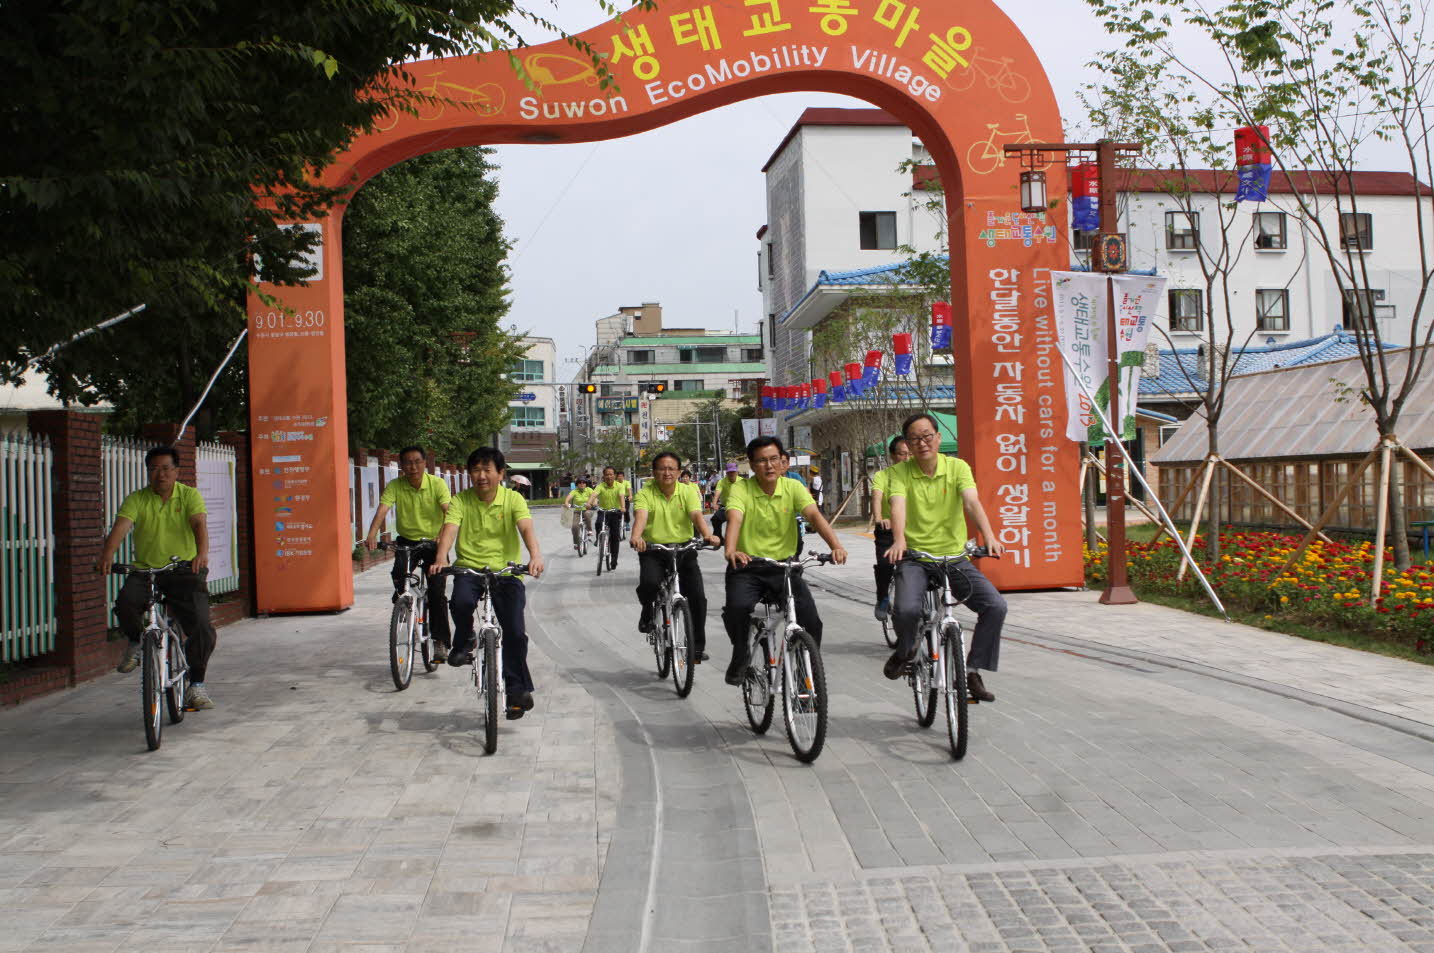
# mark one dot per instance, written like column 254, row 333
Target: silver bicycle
column 486, row 683
column 409, row 632
column 786, row 661
column 939, row 668
column 671, row 637
column 164, row 671
column 604, row 541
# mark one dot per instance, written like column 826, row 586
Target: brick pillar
column 83, row 618
column 244, row 514
column 157, row 435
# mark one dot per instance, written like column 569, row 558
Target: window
column 1167, row 431
column 753, row 355
column 529, row 416
column 527, row 371
column 878, row 229
column 639, row 357
column 1356, row 230
column 1272, row 309
column 1182, row 230
column 1187, row 309
column 695, row 384
column 772, row 259
column 606, row 390
column 702, row 355
column 1360, row 309
column 1082, row 241
column 1270, row 230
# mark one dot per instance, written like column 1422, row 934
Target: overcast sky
column 671, row 215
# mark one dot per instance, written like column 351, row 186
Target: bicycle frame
column 930, row 623
column 777, row 660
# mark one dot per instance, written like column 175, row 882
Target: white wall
column 541, row 349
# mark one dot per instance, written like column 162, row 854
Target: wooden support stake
column 1417, row 459
column 1381, row 517
column 1272, row 498
column 1330, row 510
column 1207, row 471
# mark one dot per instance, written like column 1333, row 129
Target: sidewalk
column 1346, row 679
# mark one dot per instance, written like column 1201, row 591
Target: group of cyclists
column 923, row 501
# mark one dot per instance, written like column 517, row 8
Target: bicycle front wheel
column 400, row 642
column 681, row 650
column 804, row 696
column 424, row 631
column 151, row 690
column 485, row 675
column 602, row 549
column 923, row 688
column 956, row 690
column 177, row 678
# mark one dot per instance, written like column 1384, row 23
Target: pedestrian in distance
column 897, row 452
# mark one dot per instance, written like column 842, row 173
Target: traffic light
column 656, row 387
column 587, row 388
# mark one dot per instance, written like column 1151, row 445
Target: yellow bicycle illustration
column 987, row 156
column 554, row 69
column 1008, row 84
column 486, row 99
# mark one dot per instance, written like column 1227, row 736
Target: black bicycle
column 164, row 669
column 486, row 683
column 409, row 632
column 671, row 636
column 604, row 540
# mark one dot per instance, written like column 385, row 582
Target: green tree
column 424, row 291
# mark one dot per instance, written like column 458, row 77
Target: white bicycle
column 164, row 671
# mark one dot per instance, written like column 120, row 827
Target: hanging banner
column 853, row 379
column 1085, row 197
column 752, row 428
column 819, row 392
column 769, row 397
column 1081, row 310
column 940, row 325
column 901, row 348
column 1253, row 160
column 871, row 370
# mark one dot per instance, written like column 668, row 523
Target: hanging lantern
column 901, row 348
column 1253, row 161
column 819, row 392
column 769, row 397
column 871, row 370
column 805, row 400
column 940, row 325
column 853, row 379
column 1033, row 191
column 838, row 388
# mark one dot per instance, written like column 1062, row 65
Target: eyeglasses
column 665, row 470
column 772, row 461
column 920, row 437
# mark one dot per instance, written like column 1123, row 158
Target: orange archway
column 964, row 80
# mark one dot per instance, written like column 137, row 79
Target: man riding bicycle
column 898, row 452
column 626, row 500
column 485, row 522
column 932, row 496
column 168, row 519
column 609, row 496
column 667, row 512
column 720, row 494
column 761, row 521
column 420, row 501
column 577, row 500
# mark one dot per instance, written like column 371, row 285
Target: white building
column 532, row 430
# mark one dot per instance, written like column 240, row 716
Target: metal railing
column 27, row 546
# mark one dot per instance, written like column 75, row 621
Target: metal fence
column 27, row 545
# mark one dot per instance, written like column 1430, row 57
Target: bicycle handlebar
column 798, row 562
column 512, row 570
column 127, row 569
column 972, row 552
column 403, row 548
column 694, row 543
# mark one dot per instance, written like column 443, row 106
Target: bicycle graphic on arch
column 486, row 99
column 1006, row 82
column 988, row 155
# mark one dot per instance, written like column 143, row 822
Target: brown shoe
column 976, row 688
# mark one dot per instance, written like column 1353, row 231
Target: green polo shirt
column 725, row 488
column 935, row 516
column 487, row 532
column 610, row 497
column 580, row 497
column 769, row 523
column 881, row 480
column 626, row 486
column 161, row 529
column 668, row 520
column 419, row 512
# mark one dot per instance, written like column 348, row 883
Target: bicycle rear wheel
column 680, row 629
column 177, row 679
column 756, row 694
column 424, row 633
column 956, row 691
column 922, row 687
column 888, row 632
column 487, row 679
column 400, row 641
column 804, row 696
column 151, row 689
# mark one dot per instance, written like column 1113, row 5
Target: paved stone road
column 1146, row 781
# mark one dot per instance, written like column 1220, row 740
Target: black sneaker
column 738, row 667
column 514, row 712
column 644, row 622
column 459, row 657
column 896, row 665
column 611, row 563
column 976, row 688
column 525, row 699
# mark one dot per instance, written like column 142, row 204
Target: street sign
column 527, row 396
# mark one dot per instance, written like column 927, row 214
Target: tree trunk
column 1398, row 516
column 1212, row 506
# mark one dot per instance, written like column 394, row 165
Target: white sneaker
column 130, row 660
column 197, row 699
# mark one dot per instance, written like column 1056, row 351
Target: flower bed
column 1328, row 586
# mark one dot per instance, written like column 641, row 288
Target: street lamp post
column 1109, row 256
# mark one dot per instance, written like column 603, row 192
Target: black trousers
column 747, row 586
column 510, row 598
column 613, row 522
column 651, row 567
column 985, row 601
column 187, row 597
column 882, row 567
column 719, row 520
column 437, row 585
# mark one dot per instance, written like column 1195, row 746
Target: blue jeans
column 985, row 601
